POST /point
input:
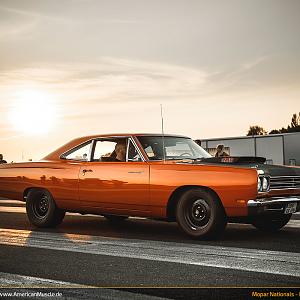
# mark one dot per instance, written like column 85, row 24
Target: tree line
column 294, row 126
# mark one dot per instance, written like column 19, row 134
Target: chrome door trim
column 131, row 139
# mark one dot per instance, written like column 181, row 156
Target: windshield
column 175, row 148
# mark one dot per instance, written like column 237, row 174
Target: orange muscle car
column 166, row 177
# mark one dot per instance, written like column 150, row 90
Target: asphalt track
column 89, row 251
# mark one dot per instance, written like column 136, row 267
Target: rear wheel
column 115, row 218
column 200, row 214
column 42, row 210
column 271, row 223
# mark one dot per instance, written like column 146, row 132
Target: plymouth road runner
column 165, row 177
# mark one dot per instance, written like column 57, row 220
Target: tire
column 271, row 223
column 42, row 210
column 200, row 214
column 115, row 219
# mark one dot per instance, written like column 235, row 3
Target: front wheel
column 200, row 214
column 271, row 223
column 42, row 210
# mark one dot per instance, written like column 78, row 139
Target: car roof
column 131, row 134
column 55, row 155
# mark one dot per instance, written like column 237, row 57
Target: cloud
column 111, row 80
column 106, row 88
column 253, row 63
column 29, row 13
column 65, row 18
column 14, row 24
column 8, row 32
column 113, row 95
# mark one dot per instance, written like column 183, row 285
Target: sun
column 34, row 112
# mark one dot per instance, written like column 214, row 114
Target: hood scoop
column 235, row 160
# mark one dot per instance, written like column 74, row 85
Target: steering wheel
column 186, row 154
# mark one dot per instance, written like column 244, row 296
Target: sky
column 70, row 68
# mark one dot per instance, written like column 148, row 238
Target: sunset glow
column 33, row 112
column 69, row 69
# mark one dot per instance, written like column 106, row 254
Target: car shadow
column 235, row 235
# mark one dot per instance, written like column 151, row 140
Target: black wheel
column 200, row 214
column 271, row 223
column 42, row 210
column 115, row 219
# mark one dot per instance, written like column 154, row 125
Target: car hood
column 253, row 162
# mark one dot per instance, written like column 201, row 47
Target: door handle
column 135, row 172
column 86, row 170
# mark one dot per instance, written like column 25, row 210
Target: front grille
column 284, row 182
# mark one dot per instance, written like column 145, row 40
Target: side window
column 105, row 151
column 80, row 153
column 150, row 152
column 133, row 154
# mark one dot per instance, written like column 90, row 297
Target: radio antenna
column 162, row 131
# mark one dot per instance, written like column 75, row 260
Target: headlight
column 263, row 183
column 259, row 184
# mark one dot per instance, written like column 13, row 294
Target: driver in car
column 120, row 150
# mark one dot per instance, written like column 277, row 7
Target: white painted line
column 22, row 209
column 264, row 261
column 11, row 280
column 12, row 209
column 21, row 282
column 293, row 224
column 12, row 202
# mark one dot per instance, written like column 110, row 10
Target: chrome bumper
column 271, row 205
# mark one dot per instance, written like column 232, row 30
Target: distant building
column 279, row 149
